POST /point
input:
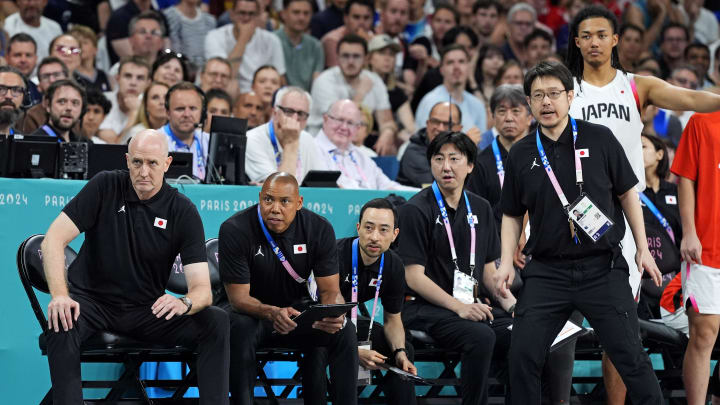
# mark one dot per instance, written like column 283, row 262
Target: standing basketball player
column 605, row 94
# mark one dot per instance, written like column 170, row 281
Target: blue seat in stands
column 389, row 165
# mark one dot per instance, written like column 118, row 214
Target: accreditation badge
column 363, row 373
column 589, row 217
column 312, row 286
column 463, row 287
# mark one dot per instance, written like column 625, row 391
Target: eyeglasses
column 155, row 33
column 52, row 75
column 14, row 90
column 539, row 96
column 289, row 112
column 68, row 50
column 351, row 56
column 350, row 124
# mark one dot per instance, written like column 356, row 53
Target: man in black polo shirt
column 367, row 260
column 449, row 244
column 135, row 225
column 275, row 256
column 572, row 165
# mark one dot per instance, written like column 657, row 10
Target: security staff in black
column 449, row 244
column 571, row 165
column 135, row 226
column 369, row 272
column 274, row 257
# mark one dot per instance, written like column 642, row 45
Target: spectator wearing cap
column 304, row 56
column 350, row 80
column 358, row 19
column 29, row 19
column 244, row 45
column 381, row 60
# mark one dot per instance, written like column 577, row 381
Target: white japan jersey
column 614, row 106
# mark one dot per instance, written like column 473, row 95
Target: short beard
column 57, row 123
column 9, row 117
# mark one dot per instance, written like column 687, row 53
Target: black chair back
column 177, row 284
column 32, row 275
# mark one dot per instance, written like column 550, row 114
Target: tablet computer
column 317, row 312
column 404, row 375
column 321, row 178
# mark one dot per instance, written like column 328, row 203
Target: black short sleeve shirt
column 606, row 173
column 131, row 244
column 245, row 255
column 423, row 239
column 392, row 287
column 484, row 180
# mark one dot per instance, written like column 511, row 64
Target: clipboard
column 317, row 312
column 404, row 375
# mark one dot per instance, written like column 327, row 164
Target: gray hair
column 521, row 7
column 512, row 93
column 284, row 91
column 148, row 15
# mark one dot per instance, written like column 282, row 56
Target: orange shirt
column 698, row 159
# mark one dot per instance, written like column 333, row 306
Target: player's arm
column 62, row 310
column 241, row 301
column 664, row 95
column 633, row 212
column 690, row 247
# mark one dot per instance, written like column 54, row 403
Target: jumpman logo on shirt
column 122, row 209
column 437, row 220
column 534, row 164
column 259, row 252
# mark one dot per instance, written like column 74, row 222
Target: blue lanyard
column 273, row 140
column 664, row 222
column 277, row 251
column 180, row 145
column 498, row 161
column 354, row 293
column 49, row 131
column 549, row 170
column 448, row 229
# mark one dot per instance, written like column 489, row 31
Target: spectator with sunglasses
column 170, row 67
column 87, row 74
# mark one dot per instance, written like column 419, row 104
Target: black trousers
column 397, row 390
column 207, row 331
column 597, row 287
column 247, row 334
column 478, row 343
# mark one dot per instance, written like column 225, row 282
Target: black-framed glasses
column 14, row 90
column 289, row 112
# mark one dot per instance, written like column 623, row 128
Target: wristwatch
column 188, row 304
column 398, row 350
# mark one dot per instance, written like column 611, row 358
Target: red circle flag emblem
column 161, row 222
column 582, row 153
column 300, row 249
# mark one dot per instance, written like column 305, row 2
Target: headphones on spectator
column 27, row 99
column 198, row 90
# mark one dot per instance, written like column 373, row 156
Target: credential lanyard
column 664, row 222
column 549, row 170
column 277, row 251
column 498, row 161
column 448, row 229
column 354, row 294
column 180, row 145
column 355, row 162
column 50, row 132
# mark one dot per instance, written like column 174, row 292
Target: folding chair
column 104, row 346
